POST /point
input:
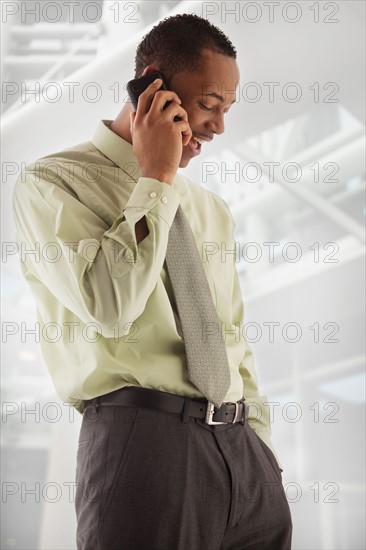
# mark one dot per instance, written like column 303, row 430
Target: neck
column 121, row 125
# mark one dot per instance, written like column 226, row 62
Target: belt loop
column 245, row 412
column 185, row 412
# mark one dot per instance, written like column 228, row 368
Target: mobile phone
column 138, row 85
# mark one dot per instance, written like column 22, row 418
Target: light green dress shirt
column 104, row 303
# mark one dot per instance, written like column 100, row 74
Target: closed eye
column 210, row 109
column 205, row 108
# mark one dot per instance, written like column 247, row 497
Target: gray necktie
column 207, row 362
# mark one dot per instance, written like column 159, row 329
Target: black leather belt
column 228, row 413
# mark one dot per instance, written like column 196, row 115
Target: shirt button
column 153, row 195
column 164, row 200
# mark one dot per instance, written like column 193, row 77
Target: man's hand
column 157, row 140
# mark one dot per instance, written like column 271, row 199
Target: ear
column 150, row 69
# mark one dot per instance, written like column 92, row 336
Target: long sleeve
column 98, row 272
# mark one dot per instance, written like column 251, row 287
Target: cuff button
column 153, row 195
column 164, row 200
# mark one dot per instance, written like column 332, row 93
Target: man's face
column 207, row 95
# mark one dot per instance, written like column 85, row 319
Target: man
column 153, row 470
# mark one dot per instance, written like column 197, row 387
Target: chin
column 184, row 161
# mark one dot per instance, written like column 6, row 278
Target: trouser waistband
column 228, row 413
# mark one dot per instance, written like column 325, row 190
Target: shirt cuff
column 151, row 194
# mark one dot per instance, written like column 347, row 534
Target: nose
column 216, row 124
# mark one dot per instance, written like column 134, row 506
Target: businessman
column 163, row 463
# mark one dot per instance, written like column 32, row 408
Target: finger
column 173, row 110
column 161, row 98
column 144, row 101
column 185, row 130
column 132, row 120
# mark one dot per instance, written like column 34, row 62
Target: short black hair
column 175, row 44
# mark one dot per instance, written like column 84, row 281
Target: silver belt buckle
column 211, row 409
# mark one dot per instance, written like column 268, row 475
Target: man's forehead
column 217, row 77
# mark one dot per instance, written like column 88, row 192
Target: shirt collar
column 117, row 149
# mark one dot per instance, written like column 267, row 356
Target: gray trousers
column 146, row 480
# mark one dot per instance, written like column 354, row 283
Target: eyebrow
column 219, row 97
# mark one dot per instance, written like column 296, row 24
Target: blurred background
column 291, row 167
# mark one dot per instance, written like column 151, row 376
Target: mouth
column 195, row 144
